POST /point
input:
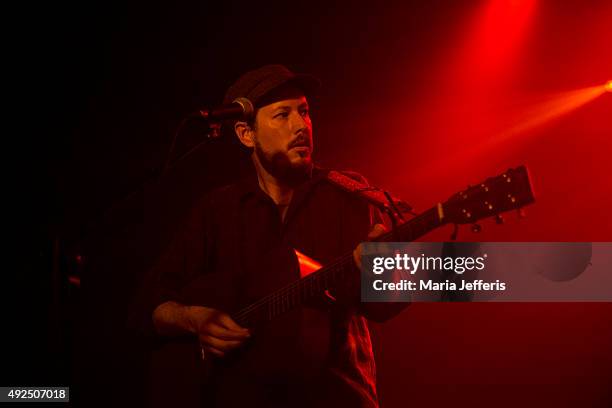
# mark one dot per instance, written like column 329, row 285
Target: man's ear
column 245, row 134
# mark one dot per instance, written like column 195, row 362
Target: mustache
column 302, row 140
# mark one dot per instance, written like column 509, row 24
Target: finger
column 226, row 334
column 226, row 321
column 357, row 256
column 223, row 345
column 213, row 351
column 377, row 230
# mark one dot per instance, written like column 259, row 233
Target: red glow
column 497, row 93
column 481, row 69
column 551, row 109
column 488, row 53
column 530, row 117
column 307, row 264
column 498, row 32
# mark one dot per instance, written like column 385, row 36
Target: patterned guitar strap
column 356, row 184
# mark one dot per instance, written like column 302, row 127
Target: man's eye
column 305, row 112
column 282, row 115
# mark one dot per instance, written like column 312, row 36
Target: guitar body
column 288, row 348
column 284, row 351
column 177, row 375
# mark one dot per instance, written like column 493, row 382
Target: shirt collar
column 249, row 185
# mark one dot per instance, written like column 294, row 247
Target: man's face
column 283, row 136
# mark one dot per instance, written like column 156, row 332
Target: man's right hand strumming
column 217, row 332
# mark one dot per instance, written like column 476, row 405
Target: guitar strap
column 356, row 184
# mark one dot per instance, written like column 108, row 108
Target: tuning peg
column 499, row 219
column 476, row 227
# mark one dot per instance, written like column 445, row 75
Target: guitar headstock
column 508, row 191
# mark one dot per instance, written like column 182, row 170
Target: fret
column 510, row 190
column 305, row 289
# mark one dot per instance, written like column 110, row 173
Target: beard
column 279, row 166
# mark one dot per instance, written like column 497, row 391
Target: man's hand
column 217, row 331
column 376, row 231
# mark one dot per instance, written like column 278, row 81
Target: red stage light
column 498, row 33
column 528, row 119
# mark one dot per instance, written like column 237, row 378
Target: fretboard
column 303, row 290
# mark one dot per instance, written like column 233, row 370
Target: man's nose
column 299, row 123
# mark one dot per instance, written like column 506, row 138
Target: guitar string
column 273, row 299
column 303, row 282
column 281, row 293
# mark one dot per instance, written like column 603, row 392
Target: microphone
column 239, row 109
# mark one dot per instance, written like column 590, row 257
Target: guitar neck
column 303, row 290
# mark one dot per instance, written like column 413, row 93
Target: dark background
column 410, row 92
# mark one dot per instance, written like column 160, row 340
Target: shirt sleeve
column 378, row 311
column 359, row 218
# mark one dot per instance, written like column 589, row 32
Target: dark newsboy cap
column 255, row 85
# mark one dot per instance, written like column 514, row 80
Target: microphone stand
column 66, row 284
column 211, row 117
column 212, row 132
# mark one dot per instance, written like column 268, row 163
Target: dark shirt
column 234, row 250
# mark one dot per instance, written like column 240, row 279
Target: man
column 239, row 245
